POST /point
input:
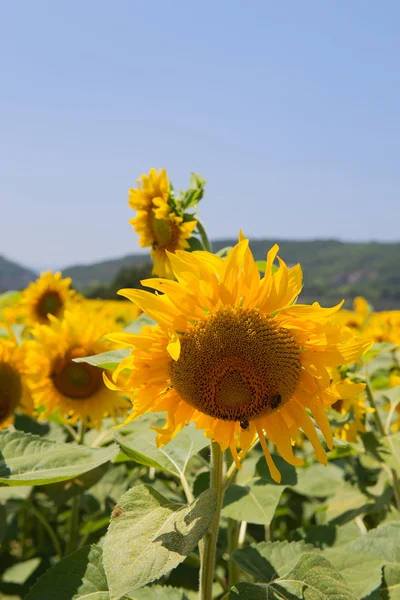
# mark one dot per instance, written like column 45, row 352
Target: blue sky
column 289, row 109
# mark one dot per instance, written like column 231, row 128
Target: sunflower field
column 206, row 437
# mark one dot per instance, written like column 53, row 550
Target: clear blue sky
column 289, row 109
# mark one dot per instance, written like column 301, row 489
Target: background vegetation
column 332, row 270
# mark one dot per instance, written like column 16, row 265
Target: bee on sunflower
column 14, row 392
column 161, row 218
column 56, row 381
column 234, row 353
column 50, row 294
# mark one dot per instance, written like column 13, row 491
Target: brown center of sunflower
column 10, row 390
column 166, row 233
column 237, row 366
column 49, row 303
column 78, row 381
column 338, row 405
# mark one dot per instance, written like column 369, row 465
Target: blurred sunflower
column 158, row 221
column 348, row 400
column 14, row 393
column 48, row 295
column 57, row 382
column 234, row 354
column 122, row 313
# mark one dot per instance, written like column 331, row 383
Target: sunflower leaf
column 267, row 559
column 389, row 451
column 160, row 592
column 254, row 498
column 137, row 325
column 27, row 459
column 151, row 536
column 106, row 360
column 318, row 481
column 141, row 447
column 79, row 576
column 363, row 573
column 312, row 578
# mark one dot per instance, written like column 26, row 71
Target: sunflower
column 122, row 313
column 76, row 389
column 48, row 295
column 152, row 193
column 158, row 221
column 14, row 394
column 348, row 399
column 234, row 354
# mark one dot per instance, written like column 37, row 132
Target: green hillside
column 87, row 276
column 332, row 270
column 14, row 276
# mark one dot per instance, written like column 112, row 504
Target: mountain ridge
column 332, row 269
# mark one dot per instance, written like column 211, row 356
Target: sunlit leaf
column 363, row 573
column 150, row 536
column 173, row 458
column 312, row 578
column 106, row 360
column 27, row 459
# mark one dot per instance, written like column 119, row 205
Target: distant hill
column 87, row 276
column 14, row 276
column 332, row 270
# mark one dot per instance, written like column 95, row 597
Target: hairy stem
column 210, row 540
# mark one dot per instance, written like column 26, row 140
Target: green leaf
column 256, row 498
column 224, row 251
column 195, row 244
column 332, row 535
column 173, row 458
column 80, row 576
column 347, row 503
column 378, row 348
column 389, row 451
column 9, row 298
column 21, row 571
column 137, row 325
column 363, row 573
column 261, row 265
column 312, row 578
column 391, row 582
column 151, row 536
column 106, row 360
column 158, row 592
column 61, row 491
column 27, row 459
column 317, row 481
column 253, row 591
column 267, row 559
column 393, row 395
column 382, row 542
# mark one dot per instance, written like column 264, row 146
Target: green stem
column 186, row 488
column 52, row 535
column 72, row 542
column 372, row 403
column 396, row 488
column 74, row 525
column 210, row 540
